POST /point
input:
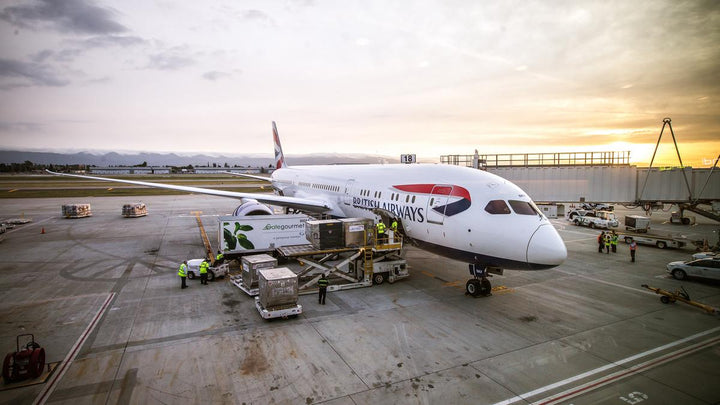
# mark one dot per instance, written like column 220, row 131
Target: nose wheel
column 479, row 285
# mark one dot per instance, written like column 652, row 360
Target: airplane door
column 438, row 201
column 347, row 198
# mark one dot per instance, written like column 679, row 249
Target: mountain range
column 172, row 159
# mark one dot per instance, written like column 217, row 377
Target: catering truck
column 240, row 235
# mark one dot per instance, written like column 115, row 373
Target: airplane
column 457, row 212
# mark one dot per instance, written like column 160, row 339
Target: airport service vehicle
column 239, row 235
column 25, row 363
column 603, row 219
column 660, row 241
column 702, row 268
column 706, row 255
column 457, row 212
column 676, row 217
column 637, row 223
column 193, row 270
column 596, row 206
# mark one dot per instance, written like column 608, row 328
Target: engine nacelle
column 251, row 207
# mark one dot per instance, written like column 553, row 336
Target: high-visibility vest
column 183, row 270
column 614, row 240
column 323, row 282
column 393, row 226
column 381, row 227
column 220, row 256
column 203, row 267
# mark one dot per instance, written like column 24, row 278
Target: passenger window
column 413, row 200
column 497, row 207
column 523, row 207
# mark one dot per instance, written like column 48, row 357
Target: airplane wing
column 292, row 202
column 250, row 176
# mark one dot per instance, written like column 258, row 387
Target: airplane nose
column 545, row 249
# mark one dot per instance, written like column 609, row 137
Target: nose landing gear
column 479, row 285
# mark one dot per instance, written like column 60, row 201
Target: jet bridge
column 604, row 177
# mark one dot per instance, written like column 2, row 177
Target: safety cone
column 42, row 231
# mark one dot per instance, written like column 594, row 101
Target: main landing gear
column 479, row 285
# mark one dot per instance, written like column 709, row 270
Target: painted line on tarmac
column 611, row 378
column 28, row 225
column 579, row 240
column 67, row 362
column 589, row 236
column 669, row 356
column 644, row 291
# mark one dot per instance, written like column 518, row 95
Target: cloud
column 78, row 16
column 30, row 74
column 257, row 15
column 106, row 41
column 19, row 127
column 215, row 75
column 170, row 59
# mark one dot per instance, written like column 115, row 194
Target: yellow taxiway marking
column 460, row 285
column 13, row 190
column 110, row 189
column 501, row 289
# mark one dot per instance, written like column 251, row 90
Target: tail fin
column 279, row 157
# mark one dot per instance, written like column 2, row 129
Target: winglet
column 279, row 157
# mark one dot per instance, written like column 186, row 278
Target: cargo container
column 239, row 235
column 278, row 293
column 325, row 234
column 637, row 223
column 134, row 210
column 358, row 231
column 250, row 266
column 76, row 210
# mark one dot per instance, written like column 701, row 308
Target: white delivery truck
column 602, row 219
column 260, row 233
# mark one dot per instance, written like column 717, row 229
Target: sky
column 378, row 77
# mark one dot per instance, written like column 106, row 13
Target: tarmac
column 102, row 296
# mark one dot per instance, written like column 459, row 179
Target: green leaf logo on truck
column 232, row 239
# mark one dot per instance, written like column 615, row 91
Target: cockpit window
column 523, row 207
column 497, row 207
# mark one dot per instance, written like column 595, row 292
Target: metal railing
column 615, row 158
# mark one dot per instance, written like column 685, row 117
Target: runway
column 102, row 295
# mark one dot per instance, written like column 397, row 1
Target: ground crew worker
column 613, row 242
column 601, row 241
column 381, row 232
column 393, row 229
column 203, row 271
column 322, row 289
column 607, row 243
column 633, row 247
column 182, row 272
column 219, row 259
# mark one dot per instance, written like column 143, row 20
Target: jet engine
column 251, row 207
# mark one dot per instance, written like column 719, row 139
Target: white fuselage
column 458, row 212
